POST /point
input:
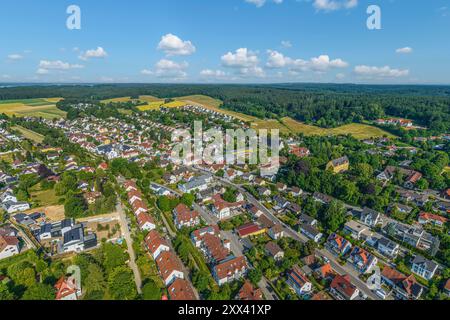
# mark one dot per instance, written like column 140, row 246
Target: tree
column 200, row 280
column 187, row 199
column 255, row 275
column 334, row 215
column 39, row 291
column 95, row 279
column 121, row 284
column 5, row 294
column 74, row 206
column 22, row 273
column 113, row 256
column 230, row 195
column 150, row 291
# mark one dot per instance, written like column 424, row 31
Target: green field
column 286, row 125
column 45, row 108
column 28, row 134
column 358, row 130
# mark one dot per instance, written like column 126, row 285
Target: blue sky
column 242, row 41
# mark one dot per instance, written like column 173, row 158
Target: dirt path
column 126, row 234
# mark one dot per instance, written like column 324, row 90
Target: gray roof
column 428, row 264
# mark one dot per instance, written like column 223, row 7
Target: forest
column 325, row 105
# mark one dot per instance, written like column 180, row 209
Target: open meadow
column 45, row 108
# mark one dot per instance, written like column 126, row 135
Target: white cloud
column 277, row 60
column 6, row 76
column 332, row 5
column 404, row 50
column 15, row 56
column 380, row 72
column 323, row 63
column 45, row 66
column 174, row 46
column 286, row 44
column 213, row 73
column 252, row 72
column 241, row 58
column 94, row 53
column 168, row 69
column 319, row 64
column 245, row 61
column 58, row 65
column 260, row 3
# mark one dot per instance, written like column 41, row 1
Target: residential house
column 13, row 207
column 182, row 290
column 311, row 232
column 223, row 209
column 276, row 232
column 356, row 230
column 67, row 289
column 322, row 198
column 184, row 217
column 208, row 241
column 424, row 267
column 196, row 184
column 274, row 250
column 325, row 271
column 249, row 293
column 405, row 288
column 145, row 221
column 156, row 244
column 298, row 281
column 250, row 229
column 9, row 246
column 339, row 165
column 388, row 248
column 342, row 288
column 434, row 219
column 296, row 192
column 363, row 260
column 308, row 220
column 230, row 269
column 370, row 217
column 338, row 244
column 169, row 267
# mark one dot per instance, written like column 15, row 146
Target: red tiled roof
column 430, row 216
column 181, row 289
column 343, row 285
column 248, row 229
column 184, row 214
column 249, row 293
column 143, row 218
column 8, row 241
column 229, row 267
column 167, row 263
column 65, row 288
column 154, row 241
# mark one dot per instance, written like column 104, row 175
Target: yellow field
column 155, row 105
column 44, row 108
column 214, row 104
column 28, row 134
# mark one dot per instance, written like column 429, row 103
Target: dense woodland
column 325, row 105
